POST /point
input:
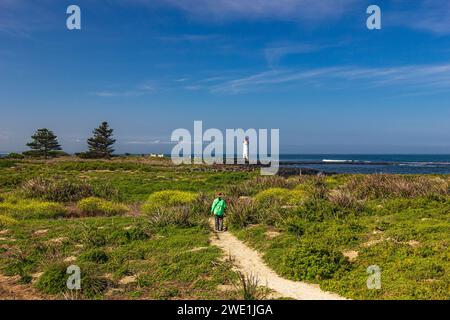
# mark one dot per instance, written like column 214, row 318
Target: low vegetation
column 93, row 206
column 138, row 229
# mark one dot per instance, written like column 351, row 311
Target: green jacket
column 218, row 207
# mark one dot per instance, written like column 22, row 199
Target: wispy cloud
column 148, row 141
column 408, row 77
column 22, row 17
column 189, row 37
column 255, row 9
column 140, row 90
column 427, row 15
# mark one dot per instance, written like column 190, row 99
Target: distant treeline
column 44, row 144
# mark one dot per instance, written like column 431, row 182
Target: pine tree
column 43, row 142
column 100, row 145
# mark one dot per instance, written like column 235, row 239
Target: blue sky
column 310, row 68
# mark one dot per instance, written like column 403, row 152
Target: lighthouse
column 245, row 151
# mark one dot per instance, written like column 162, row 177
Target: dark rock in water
column 288, row 172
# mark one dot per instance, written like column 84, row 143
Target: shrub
column 6, row 222
column 93, row 285
column 248, row 287
column 94, row 255
column 177, row 216
column 309, row 263
column 240, row 214
column 53, row 280
column 378, row 186
column 279, row 196
column 343, row 199
column 93, row 206
column 64, row 190
column 258, row 184
column 14, row 155
column 32, row 209
column 91, row 237
column 168, row 199
column 139, row 231
column 39, row 154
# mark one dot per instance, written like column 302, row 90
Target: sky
column 307, row 67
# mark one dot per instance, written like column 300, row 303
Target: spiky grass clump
column 53, row 280
column 94, row 255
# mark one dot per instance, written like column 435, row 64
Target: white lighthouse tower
column 245, row 151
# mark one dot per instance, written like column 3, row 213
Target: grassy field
column 137, row 227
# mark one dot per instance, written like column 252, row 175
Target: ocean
column 364, row 163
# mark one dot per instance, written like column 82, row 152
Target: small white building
column 245, row 149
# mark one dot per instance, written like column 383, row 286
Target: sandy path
column 249, row 261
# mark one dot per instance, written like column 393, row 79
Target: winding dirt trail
column 249, row 261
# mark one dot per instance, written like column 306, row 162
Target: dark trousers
column 219, row 223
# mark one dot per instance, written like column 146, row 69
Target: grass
column 168, row 199
column 164, row 262
column 23, row 209
column 137, row 229
column 333, row 242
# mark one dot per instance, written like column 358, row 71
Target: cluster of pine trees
column 45, row 143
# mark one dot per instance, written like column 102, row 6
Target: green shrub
column 93, row 206
column 279, row 196
column 168, row 199
column 385, row 186
column 320, row 210
column 94, row 255
column 93, row 285
column 91, row 237
column 32, row 209
column 258, row 184
column 53, row 280
column 240, row 214
column 136, row 232
column 6, row 222
column 14, row 155
column 309, row 263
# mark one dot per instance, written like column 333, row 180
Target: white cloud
column 142, row 89
column 256, row 9
column 414, row 77
column 427, row 15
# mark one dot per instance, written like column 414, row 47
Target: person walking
column 218, row 209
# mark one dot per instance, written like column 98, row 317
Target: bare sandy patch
column 351, row 255
column 272, row 234
column 40, row 232
column 127, row 280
